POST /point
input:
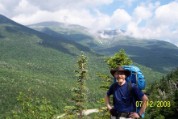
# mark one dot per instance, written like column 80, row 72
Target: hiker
column 125, row 95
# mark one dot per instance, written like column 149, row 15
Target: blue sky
column 144, row 19
column 128, row 5
column 109, row 9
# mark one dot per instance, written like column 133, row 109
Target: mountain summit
column 111, row 33
column 5, row 20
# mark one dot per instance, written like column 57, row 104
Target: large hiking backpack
column 136, row 76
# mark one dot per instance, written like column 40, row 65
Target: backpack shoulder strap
column 132, row 95
column 129, row 85
column 114, row 86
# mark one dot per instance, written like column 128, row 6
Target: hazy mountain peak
column 5, row 20
column 110, row 33
column 57, row 24
column 47, row 23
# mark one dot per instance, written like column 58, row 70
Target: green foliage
column 119, row 59
column 32, row 108
column 164, row 90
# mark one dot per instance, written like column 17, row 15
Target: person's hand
column 109, row 107
column 113, row 112
column 134, row 115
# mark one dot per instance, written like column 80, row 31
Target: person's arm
column 142, row 109
column 144, row 104
column 107, row 97
column 141, row 96
column 107, row 102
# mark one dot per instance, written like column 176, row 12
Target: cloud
column 24, row 7
column 78, row 12
column 64, row 15
column 141, row 19
column 53, row 5
column 1, row 7
column 8, row 6
column 39, row 16
column 167, row 14
column 128, row 3
column 101, row 21
column 16, row 8
column 120, row 17
column 160, row 22
column 142, row 13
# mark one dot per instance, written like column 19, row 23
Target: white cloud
column 24, row 7
column 132, row 28
column 128, row 2
column 10, row 3
column 120, row 17
column 1, row 7
column 165, row 22
column 94, row 2
column 85, row 18
column 142, row 13
column 53, row 5
column 101, row 21
column 167, row 14
column 39, row 16
column 8, row 7
column 68, row 11
column 14, row 8
column 160, row 22
column 65, row 15
column 73, row 17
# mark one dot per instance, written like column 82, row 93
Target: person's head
column 120, row 74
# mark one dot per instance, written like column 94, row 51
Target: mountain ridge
column 141, row 50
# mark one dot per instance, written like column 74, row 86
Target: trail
column 90, row 111
column 85, row 112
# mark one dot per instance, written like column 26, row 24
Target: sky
column 144, row 19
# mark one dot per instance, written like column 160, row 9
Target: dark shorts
column 113, row 117
column 120, row 115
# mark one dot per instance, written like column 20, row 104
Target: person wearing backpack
column 125, row 95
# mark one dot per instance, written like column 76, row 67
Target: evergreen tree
column 119, row 59
column 79, row 92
